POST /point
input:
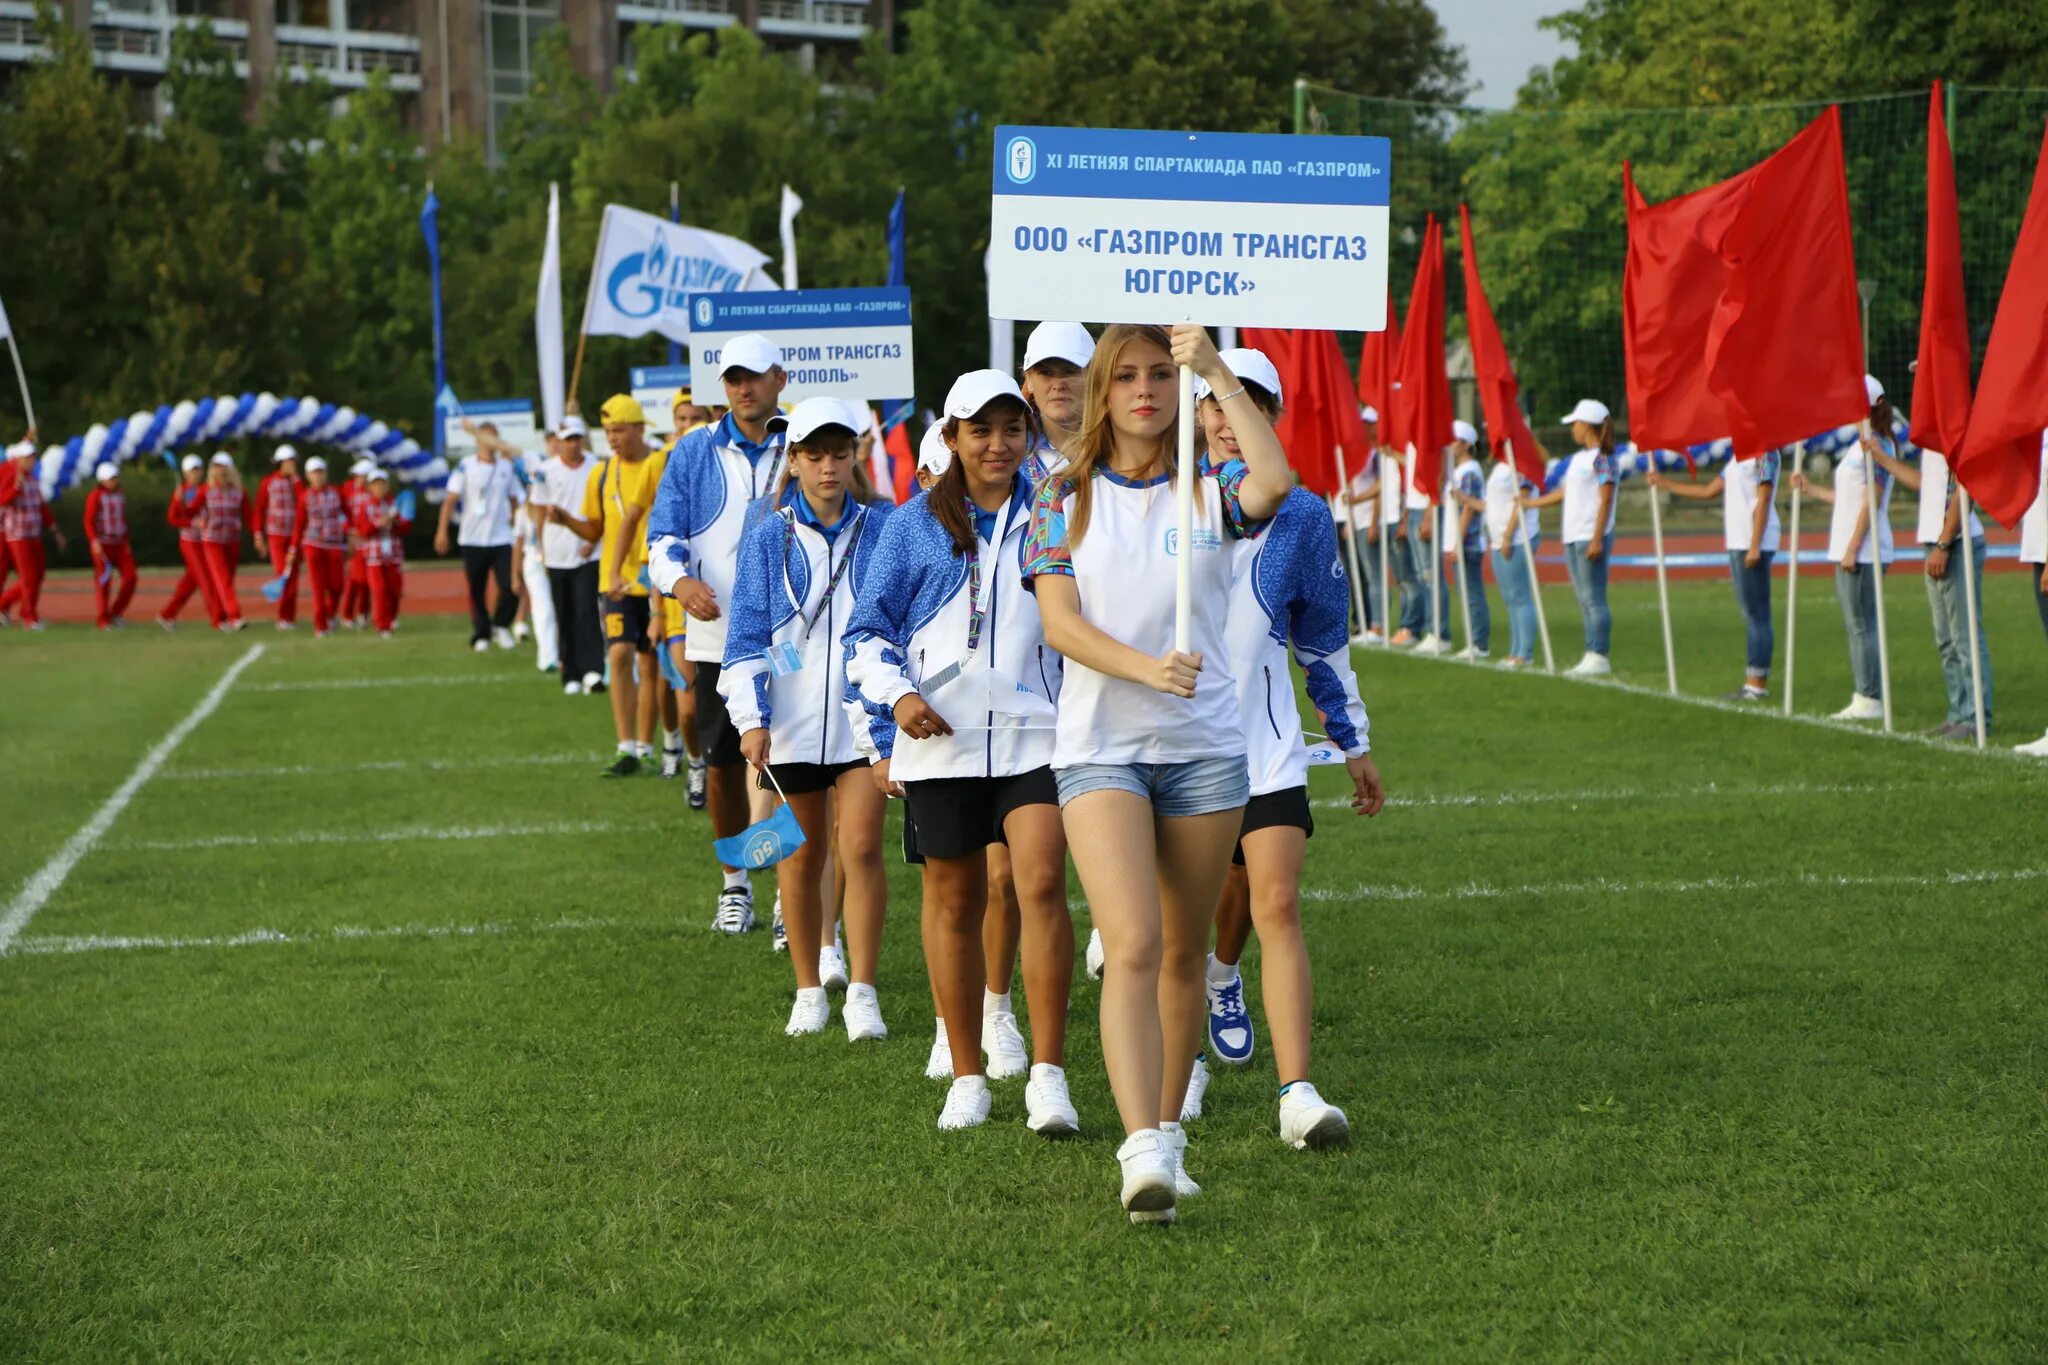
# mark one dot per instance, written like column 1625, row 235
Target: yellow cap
column 622, row 409
column 682, row 396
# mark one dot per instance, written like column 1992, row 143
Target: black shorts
column 1288, row 808
column 625, row 622
column 801, row 779
column 958, row 816
column 716, row 739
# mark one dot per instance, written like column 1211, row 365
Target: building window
column 511, row 29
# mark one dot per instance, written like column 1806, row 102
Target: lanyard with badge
column 786, row 657
column 979, row 599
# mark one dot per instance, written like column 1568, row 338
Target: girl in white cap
column 1505, row 487
column 1749, row 515
column 1055, row 356
column 1149, row 752
column 277, row 500
column 24, row 516
column 1465, row 535
column 186, row 509
column 322, row 543
column 1861, row 551
column 226, row 515
column 1587, row 490
column 106, row 534
column 1288, row 593
column 783, row 681
column 947, row 654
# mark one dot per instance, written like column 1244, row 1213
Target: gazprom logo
column 655, row 280
column 1021, row 160
column 763, row 849
column 703, row 312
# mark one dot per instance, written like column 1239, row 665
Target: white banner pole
column 1792, row 596
column 21, row 379
column 1434, row 513
column 1970, row 599
column 1339, row 506
column 1379, row 516
column 1663, row 592
column 1184, row 560
column 1884, row 660
column 1456, row 545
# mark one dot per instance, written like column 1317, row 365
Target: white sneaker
column 1147, row 1161
column 2038, row 749
column 501, row 637
column 967, row 1104
column 1177, row 1141
column 735, row 911
column 1592, row 666
column 810, row 1013
column 1861, row 707
column 1094, row 955
column 671, row 762
column 862, row 1013
column 1308, row 1120
column 1003, row 1045
column 591, row 681
column 481, row 646
column 1198, row 1085
column 778, row 933
column 572, row 688
column 832, row 968
column 1371, row 639
column 519, row 630
column 1048, row 1109
column 939, row 1066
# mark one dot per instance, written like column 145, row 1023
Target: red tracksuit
column 355, row 594
column 277, row 497
column 322, row 542
column 106, row 531
column 383, row 549
column 24, row 516
column 225, row 513
column 187, row 506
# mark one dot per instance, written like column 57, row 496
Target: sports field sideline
column 364, row 1020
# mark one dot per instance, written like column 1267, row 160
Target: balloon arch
column 206, row 420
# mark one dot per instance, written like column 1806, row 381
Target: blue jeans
column 1407, row 566
column 1753, row 595
column 1368, row 565
column 1589, row 585
column 1202, row 786
column 1951, row 611
column 1857, row 593
column 1513, row 577
column 1475, row 600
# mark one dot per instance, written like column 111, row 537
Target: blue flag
column 106, row 574
column 408, row 503
column 274, row 588
column 895, row 410
column 430, row 228
column 670, row 671
column 675, row 215
column 762, row 845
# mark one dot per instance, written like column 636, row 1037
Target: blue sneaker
column 1230, row 1026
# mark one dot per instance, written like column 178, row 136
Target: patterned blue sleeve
column 1319, row 628
column 752, row 618
column 1768, row 467
column 877, row 635
column 1230, row 485
column 1603, row 469
column 1045, row 541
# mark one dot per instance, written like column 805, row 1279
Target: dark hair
column 948, row 495
column 832, row 440
column 1881, row 418
column 1607, row 437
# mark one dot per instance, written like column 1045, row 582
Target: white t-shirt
column 1415, row 499
column 1741, row 482
column 1359, row 513
column 1849, row 477
column 1934, row 486
column 2034, row 525
column 1500, row 504
column 561, row 485
column 1585, row 473
column 488, row 492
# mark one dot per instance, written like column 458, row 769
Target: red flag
column 1499, row 394
column 902, row 462
column 1319, row 412
column 1421, row 402
column 1998, row 458
column 1739, row 306
column 1941, row 376
column 1376, row 365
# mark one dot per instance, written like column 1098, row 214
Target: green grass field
column 377, row 1026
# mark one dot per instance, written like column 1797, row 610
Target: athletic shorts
column 1287, row 808
column 957, row 816
column 801, row 779
column 716, row 738
column 1202, row 786
column 674, row 620
column 625, row 622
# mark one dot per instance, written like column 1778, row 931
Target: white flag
column 791, row 207
column 1002, row 332
column 647, row 267
column 6, row 330
column 547, row 317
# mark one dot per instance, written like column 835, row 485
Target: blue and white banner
column 839, row 343
column 513, row 417
column 1233, row 229
column 655, row 388
column 647, row 268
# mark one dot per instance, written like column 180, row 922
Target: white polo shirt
column 2034, row 525
column 1934, row 486
column 1585, row 473
column 1849, row 476
column 1741, row 482
column 1501, row 482
column 488, row 492
column 561, row 485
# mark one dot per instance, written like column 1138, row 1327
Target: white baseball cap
column 191, row 462
column 1368, row 413
column 1591, row 411
column 572, row 429
column 1250, row 366
column 814, row 414
column 379, row 474
column 221, row 457
column 933, row 454
column 315, row 463
column 749, row 352
column 20, row 449
column 1872, row 390
column 283, row 453
column 976, row 389
column 1068, row 341
column 361, row 467
column 1462, row 430
column 107, row 469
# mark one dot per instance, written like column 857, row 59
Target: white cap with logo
column 1068, row 341
column 976, row 389
column 752, row 352
column 1462, row 430
column 1591, row 411
column 815, row 414
column 1250, row 366
column 572, row 429
column 107, row 469
column 934, row 456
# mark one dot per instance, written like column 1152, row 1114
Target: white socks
column 737, row 881
column 1221, row 972
column 991, row 1003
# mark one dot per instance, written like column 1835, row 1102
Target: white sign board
column 1224, row 229
column 513, row 417
column 838, row 343
column 655, row 388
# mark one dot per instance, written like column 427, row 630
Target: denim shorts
column 1202, row 786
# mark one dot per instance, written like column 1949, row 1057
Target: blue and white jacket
column 1288, row 586
column 699, row 517
column 912, row 622
column 780, row 604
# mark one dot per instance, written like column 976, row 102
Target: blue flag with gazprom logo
column 762, row 845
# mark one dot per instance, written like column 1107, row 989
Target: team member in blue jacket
column 943, row 638
column 693, row 546
column 1287, row 588
column 784, row 680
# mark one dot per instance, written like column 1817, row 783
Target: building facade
column 458, row 65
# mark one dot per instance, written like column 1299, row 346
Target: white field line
column 98, row 943
column 35, row 893
column 1462, row 800
column 423, row 680
column 1766, row 711
column 1614, row 886
column 386, row 765
column 410, row 834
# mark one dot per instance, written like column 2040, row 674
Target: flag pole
column 1351, row 539
column 1379, row 516
column 1663, row 591
column 1184, row 497
column 1436, row 561
column 1884, row 661
column 1464, row 588
column 1970, row 601
column 1521, row 529
column 21, row 379
column 1792, row 595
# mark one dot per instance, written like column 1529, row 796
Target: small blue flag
column 762, row 845
column 274, row 589
column 106, row 574
column 670, row 671
column 408, row 501
column 446, row 401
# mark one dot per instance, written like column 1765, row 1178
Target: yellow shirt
column 614, row 486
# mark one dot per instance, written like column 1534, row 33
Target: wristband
column 1223, row 398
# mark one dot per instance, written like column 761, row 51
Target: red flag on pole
column 1941, row 376
column 1320, row 414
column 1376, row 365
column 1998, row 458
column 1499, row 394
column 1421, row 402
column 1739, row 309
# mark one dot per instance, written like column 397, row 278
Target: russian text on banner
column 838, row 343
